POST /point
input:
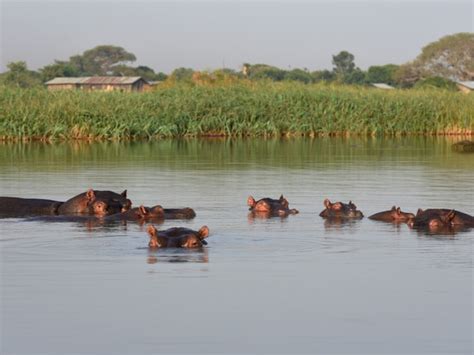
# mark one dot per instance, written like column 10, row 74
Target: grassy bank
column 239, row 109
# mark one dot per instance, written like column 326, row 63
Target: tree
column 19, row 75
column 101, row 59
column 451, row 57
column 356, row 77
column 58, row 69
column 298, row 75
column 437, row 82
column 265, row 71
column 323, row 75
column 382, row 74
column 343, row 63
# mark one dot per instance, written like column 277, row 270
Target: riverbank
column 242, row 109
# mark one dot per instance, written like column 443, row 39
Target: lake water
column 294, row 285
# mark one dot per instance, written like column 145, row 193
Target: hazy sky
column 210, row 34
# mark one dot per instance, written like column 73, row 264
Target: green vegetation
column 450, row 58
column 242, row 108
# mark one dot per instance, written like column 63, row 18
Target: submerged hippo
column 437, row 218
column 270, row 207
column 340, row 210
column 157, row 212
column 395, row 215
column 177, row 237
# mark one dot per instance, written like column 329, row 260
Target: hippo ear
column 124, row 194
column 420, row 211
column 394, row 208
column 90, row 194
column 281, row 198
column 152, row 231
column 203, row 232
column 327, row 203
column 143, row 211
column 398, row 211
column 250, row 201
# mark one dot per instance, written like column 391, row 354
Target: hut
column 465, row 86
column 100, row 83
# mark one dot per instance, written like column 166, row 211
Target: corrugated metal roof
column 382, row 86
column 468, row 84
column 96, row 80
column 117, row 80
column 59, row 81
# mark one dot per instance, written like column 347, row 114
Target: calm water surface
column 294, row 285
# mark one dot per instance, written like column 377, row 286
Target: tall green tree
column 101, row 59
column 58, row 69
column 18, row 75
column 343, row 63
column 450, row 57
column 381, row 74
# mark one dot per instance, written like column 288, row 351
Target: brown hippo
column 177, row 237
column 23, row 207
column 436, row 218
column 157, row 212
column 395, row 215
column 270, row 207
column 341, row 210
column 96, row 202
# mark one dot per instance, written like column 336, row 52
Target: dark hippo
column 436, row 218
column 96, row 202
column 177, row 237
column 23, row 207
column 395, row 215
column 270, row 207
column 341, row 210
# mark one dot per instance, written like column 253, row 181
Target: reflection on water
column 300, row 284
column 175, row 255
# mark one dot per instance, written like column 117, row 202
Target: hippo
column 177, row 237
column 156, row 213
column 91, row 202
column 340, row 210
column 395, row 215
column 96, row 202
column 270, row 207
column 436, row 218
column 23, row 207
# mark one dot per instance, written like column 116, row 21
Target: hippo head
column 143, row 212
column 101, row 206
column 433, row 219
column 340, row 210
column 399, row 216
column 186, row 239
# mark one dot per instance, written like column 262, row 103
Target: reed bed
column 240, row 109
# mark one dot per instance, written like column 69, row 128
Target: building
column 465, row 86
column 382, row 86
column 100, row 83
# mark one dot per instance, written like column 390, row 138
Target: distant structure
column 100, row 83
column 465, row 86
column 383, row 86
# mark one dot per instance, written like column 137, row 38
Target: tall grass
column 240, row 109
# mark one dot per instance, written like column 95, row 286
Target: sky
column 207, row 35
